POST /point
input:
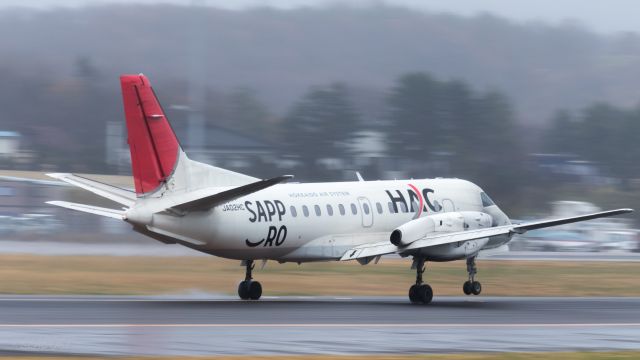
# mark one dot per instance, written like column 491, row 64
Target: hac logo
column 416, row 201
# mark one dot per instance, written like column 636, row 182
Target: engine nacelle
column 449, row 222
column 414, row 230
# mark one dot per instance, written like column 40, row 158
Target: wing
column 207, row 202
column 533, row 225
column 383, row 248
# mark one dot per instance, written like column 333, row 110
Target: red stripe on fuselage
column 421, row 205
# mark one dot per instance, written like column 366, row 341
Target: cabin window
column 293, row 210
column 415, row 206
column 316, row 208
column 354, row 209
column 403, row 207
column 305, row 210
column 329, row 210
column 379, row 207
column 365, row 208
column 391, row 209
column 486, row 200
column 341, row 209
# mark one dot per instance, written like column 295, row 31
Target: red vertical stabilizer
column 153, row 144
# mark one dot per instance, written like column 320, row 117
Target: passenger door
column 448, row 206
column 366, row 211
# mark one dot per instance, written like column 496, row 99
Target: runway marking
column 130, row 300
column 410, row 325
column 316, row 298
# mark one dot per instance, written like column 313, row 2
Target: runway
column 199, row 325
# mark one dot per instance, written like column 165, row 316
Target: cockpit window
column 486, row 200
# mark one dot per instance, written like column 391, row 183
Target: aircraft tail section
column 159, row 165
column 153, row 144
column 113, row 193
column 95, row 210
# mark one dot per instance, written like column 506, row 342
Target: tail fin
column 153, row 144
column 157, row 158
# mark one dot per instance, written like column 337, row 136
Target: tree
column 562, row 134
column 414, row 105
column 489, row 151
column 601, row 133
column 476, row 133
column 246, row 113
column 85, row 69
column 320, row 125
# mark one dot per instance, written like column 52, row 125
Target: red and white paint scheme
column 224, row 213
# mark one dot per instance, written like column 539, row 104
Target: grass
column 32, row 274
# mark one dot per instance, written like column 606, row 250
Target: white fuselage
column 321, row 221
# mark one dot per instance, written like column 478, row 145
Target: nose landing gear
column 420, row 293
column 249, row 289
column 472, row 286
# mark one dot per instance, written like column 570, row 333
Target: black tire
column 243, row 290
column 476, row 288
column 466, row 287
column 255, row 290
column 413, row 294
column 426, row 293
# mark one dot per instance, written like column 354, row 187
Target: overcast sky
column 603, row 16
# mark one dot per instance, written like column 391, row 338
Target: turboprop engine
column 449, row 222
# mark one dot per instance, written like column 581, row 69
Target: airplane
column 223, row 213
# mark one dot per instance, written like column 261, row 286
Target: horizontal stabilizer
column 33, row 181
column 207, row 202
column 384, row 248
column 119, row 195
column 96, row 210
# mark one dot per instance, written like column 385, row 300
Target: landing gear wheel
column 255, row 290
column 472, row 286
column 420, row 293
column 413, row 294
column 466, row 287
column 243, row 290
column 476, row 288
column 249, row 289
column 426, row 293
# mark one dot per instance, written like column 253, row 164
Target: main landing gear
column 420, row 293
column 472, row 286
column 249, row 289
